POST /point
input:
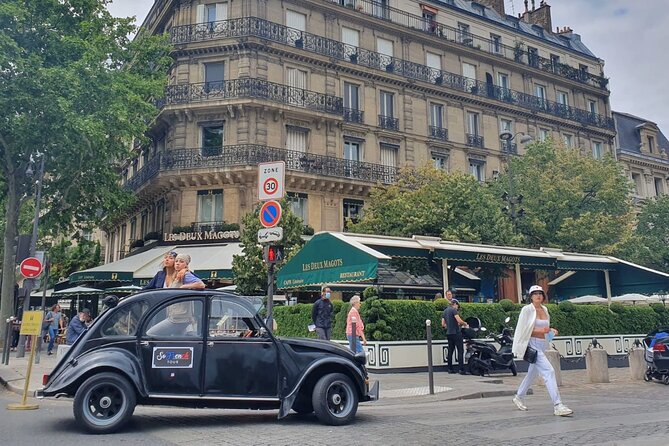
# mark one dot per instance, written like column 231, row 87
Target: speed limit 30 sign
column 271, row 177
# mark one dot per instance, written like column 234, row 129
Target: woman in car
column 183, row 277
column 164, row 277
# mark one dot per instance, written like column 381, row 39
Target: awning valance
column 330, row 258
column 122, row 270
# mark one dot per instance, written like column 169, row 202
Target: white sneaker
column 519, row 403
column 562, row 411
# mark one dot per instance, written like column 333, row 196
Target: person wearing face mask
column 321, row 314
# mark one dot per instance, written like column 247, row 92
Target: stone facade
column 347, row 92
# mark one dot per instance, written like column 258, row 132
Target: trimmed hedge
column 404, row 320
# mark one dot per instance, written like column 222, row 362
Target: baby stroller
column 657, row 355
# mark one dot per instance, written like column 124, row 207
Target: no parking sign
column 270, row 214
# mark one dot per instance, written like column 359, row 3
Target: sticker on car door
column 172, row 358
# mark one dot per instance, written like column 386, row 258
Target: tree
column 65, row 258
column 653, row 234
column 77, row 91
column 571, row 201
column 249, row 269
column 431, row 202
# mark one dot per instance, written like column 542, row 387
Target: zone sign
column 271, row 177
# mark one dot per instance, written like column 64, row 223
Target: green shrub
column 617, row 307
column 508, row 305
column 566, row 306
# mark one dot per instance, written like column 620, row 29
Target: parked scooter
column 483, row 358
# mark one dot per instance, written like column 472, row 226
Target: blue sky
column 632, row 36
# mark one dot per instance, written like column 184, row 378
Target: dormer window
column 651, row 144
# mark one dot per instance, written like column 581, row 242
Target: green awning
column 504, row 257
column 123, row 270
column 214, row 274
column 101, row 276
column 585, row 266
column 330, row 258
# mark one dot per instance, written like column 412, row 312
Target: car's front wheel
column 104, row 403
column 335, row 399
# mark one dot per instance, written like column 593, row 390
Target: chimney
column 538, row 16
column 497, row 5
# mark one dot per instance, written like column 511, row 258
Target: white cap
column 535, row 288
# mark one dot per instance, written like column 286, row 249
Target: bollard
column 637, row 363
column 553, row 357
column 8, row 342
column 352, row 341
column 430, row 371
column 597, row 365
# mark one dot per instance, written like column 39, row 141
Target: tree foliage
column 66, row 258
column 652, row 231
column 75, row 89
column 249, row 269
column 431, row 202
column 571, row 201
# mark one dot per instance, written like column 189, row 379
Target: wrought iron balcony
column 198, row 226
column 253, row 88
column 377, row 9
column 252, row 26
column 252, row 154
column 474, row 140
column 353, row 115
column 438, row 133
column 509, row 147
column 390, row 123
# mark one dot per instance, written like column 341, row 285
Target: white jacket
column 524, row 327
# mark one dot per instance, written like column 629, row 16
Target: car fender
column 109, row 359
column 289, row 399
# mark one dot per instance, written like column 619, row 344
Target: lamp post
column 28, row 283
column 508, row 196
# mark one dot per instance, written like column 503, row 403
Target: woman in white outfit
column 531, row 330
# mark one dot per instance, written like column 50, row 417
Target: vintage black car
column 202, row 349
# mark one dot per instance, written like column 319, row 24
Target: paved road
column 606, row 414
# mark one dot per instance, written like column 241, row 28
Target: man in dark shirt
column 452, row 321
column 321, row 314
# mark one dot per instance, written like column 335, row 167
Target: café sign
column 201, row 236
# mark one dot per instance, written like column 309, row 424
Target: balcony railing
column 198, row 226
column 253, row 88
column 353, row 115
column 438, row 133
column 474, row 140
column 389, row 122
column 252, row 154
column 509, row 147
column 415, row 22
column 251, row 26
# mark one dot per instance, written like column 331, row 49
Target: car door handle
column 144, row 343
column 210, row 343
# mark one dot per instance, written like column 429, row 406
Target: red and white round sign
column 31, row 267
column 270, row 186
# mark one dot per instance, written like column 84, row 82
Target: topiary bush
column 378, row 322
column 508, row 305
column 566, row 306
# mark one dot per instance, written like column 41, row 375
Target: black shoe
column 462, row 372
column 49, row 353
column 451, row 372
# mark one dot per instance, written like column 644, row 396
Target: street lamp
column 512, row 200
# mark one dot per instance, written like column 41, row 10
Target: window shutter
column 350, row 36
column 433, row 60
column 221, row 11
column 384, row 46
column 296, row 20
column 388, row 156
column 200, row 14
column 296, row 140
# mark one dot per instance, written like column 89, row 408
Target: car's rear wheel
column 104, row 403
column 335, row 399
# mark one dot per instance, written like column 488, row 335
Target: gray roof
column 571, row 41
column 628, row 133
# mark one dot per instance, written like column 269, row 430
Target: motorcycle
column 483, row 358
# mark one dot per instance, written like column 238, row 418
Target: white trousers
column 542, row 367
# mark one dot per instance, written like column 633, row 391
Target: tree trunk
column 9, row 258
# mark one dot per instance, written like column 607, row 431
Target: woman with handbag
column 529, row 343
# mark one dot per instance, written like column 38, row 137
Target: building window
column 143, row 224
column 540, row 92
column 532, row 56
column 437, row 115
column 352, row 210
column 473, row 123
column 464, row 36
column 296, row 20
column 592, row 107
column 380, row 9
column 429, row 21
column 659, row 186
column 477, row 168
column 387, row 111
column 160, row 216
column 299, row 205
column 597, row 150
column 563, row 98
column 124, row 237
column 296, row 139
column 651, row 144
column 135, row 166
column 568, row 140
column 638, row 184
column 505, row 125
column 495, row 44
column 112, row 246
column 544, row 134
column 351, row 96
column 386, row 51
column 352, row 151
column 350, row 37
column 212, row 139
column 212, row 13
column 440, row 161
column 133, row 229
column 503, row 81
column 210, row 205
column 433, row 61
column 555, row 61
column 389, row 154
column 214, row 76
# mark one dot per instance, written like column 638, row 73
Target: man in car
column 321, row 315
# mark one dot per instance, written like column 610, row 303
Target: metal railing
column 516, row 53
column 509, row 147
column 438, row 133
column 198, row 226
column 353, row 115
column 252, row 26
column 253, row 88
column 252, row 154
column 389, row 122
column 474, row 140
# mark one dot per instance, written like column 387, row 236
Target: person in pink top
column 359, row 325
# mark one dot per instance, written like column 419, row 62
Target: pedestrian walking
column 77, row 326
column 321, row 314
column 452, row 322
column 164, row 277
column 529, row 342
column 54, row 319
column 359, row 334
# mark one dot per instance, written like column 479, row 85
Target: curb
column 11, row 387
